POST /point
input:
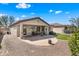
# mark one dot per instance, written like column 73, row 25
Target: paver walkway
column 15, row 47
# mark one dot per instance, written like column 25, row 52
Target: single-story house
column 29, row 26
column 57, row 28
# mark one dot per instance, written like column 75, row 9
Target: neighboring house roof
column 57, row 25
column 29, row 20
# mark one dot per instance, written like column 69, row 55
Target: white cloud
column 50, row 10
column 23, row 16
column 58, row 12
column 32, row 13
column 5, row 3
column 23, row 5
column 67, row 12
column 2, row 14
column 17, row 18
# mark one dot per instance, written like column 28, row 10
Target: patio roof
column 57, row 25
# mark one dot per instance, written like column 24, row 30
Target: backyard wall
column 13, row 31
column 58, row 30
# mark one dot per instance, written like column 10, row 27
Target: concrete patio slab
column 15, row 47
column 42, row 42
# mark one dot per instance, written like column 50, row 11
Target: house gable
column 33, row 21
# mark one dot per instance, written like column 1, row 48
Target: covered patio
column 38, row 37
column 30, row 27
column 31, row 30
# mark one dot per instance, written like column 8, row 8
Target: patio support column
column 18, row 30
column 47, row 30
column 21, row 31
column 40, row 29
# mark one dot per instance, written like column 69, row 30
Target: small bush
column 68, row 31
column 52, row 33
column 74, row 44
column 34, row 33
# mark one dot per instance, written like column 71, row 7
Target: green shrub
column 73, row 44
column 52, row 33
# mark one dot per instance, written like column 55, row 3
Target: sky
column 50, row 12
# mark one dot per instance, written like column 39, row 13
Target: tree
column 6, row 21
column 73, row 41
column 11, row 20
column 75, row 22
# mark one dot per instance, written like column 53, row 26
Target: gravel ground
column 12, row 46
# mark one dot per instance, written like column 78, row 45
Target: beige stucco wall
column 47, row 30
column 57, row 29
column 18, row 30
column 34, row 22
column 51, row 28
column 13, row 31
column 37, row 22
